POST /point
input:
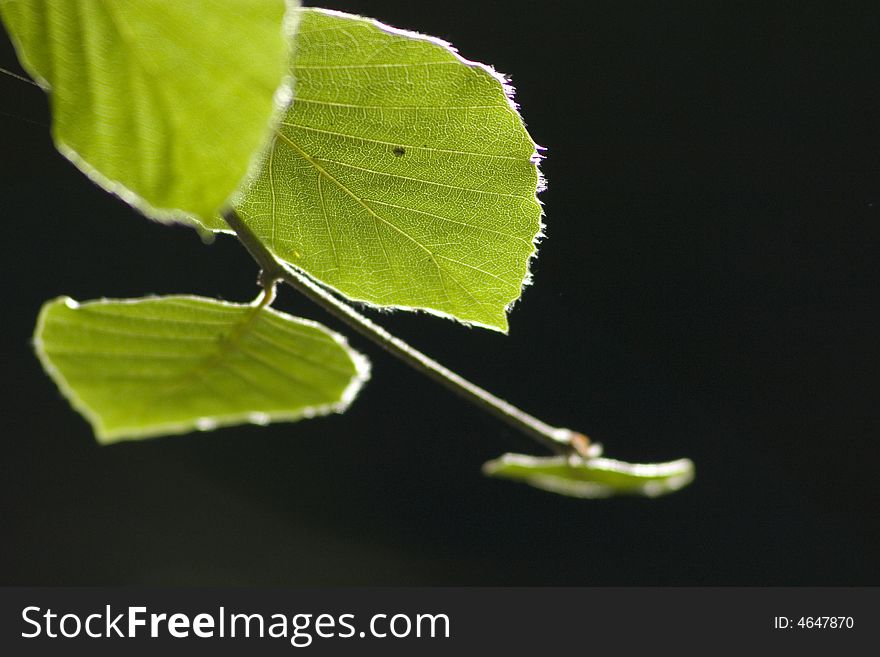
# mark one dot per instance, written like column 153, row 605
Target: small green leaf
column 163, row 102
column 595, row 477
column 402, row 175
column 138, row 368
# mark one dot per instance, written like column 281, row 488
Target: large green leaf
column 167, row 103
column 593, row 477
column 401, row 176
column 166, row 365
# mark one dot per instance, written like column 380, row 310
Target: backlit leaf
column 147, row 367
column 595, row 477
column 402, row 175
column 167, row 103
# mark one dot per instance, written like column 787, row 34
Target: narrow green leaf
column 138, row 368
column 166, row 103
column 402, row 175
column 595, row 477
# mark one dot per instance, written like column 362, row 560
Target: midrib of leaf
column 271, row 164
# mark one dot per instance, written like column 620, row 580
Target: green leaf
column 163, row 102
column 138, row 368
column 402, row 175
column 594, row 477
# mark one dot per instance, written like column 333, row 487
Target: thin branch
column 559, row 440
column 18, row 77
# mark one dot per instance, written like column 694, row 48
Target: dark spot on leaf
column 399, row 151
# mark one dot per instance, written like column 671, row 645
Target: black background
column 704, row 291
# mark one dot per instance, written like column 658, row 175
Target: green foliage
column 594, row 477
column 165, row 365
column 167, row 104
column 402, row 174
